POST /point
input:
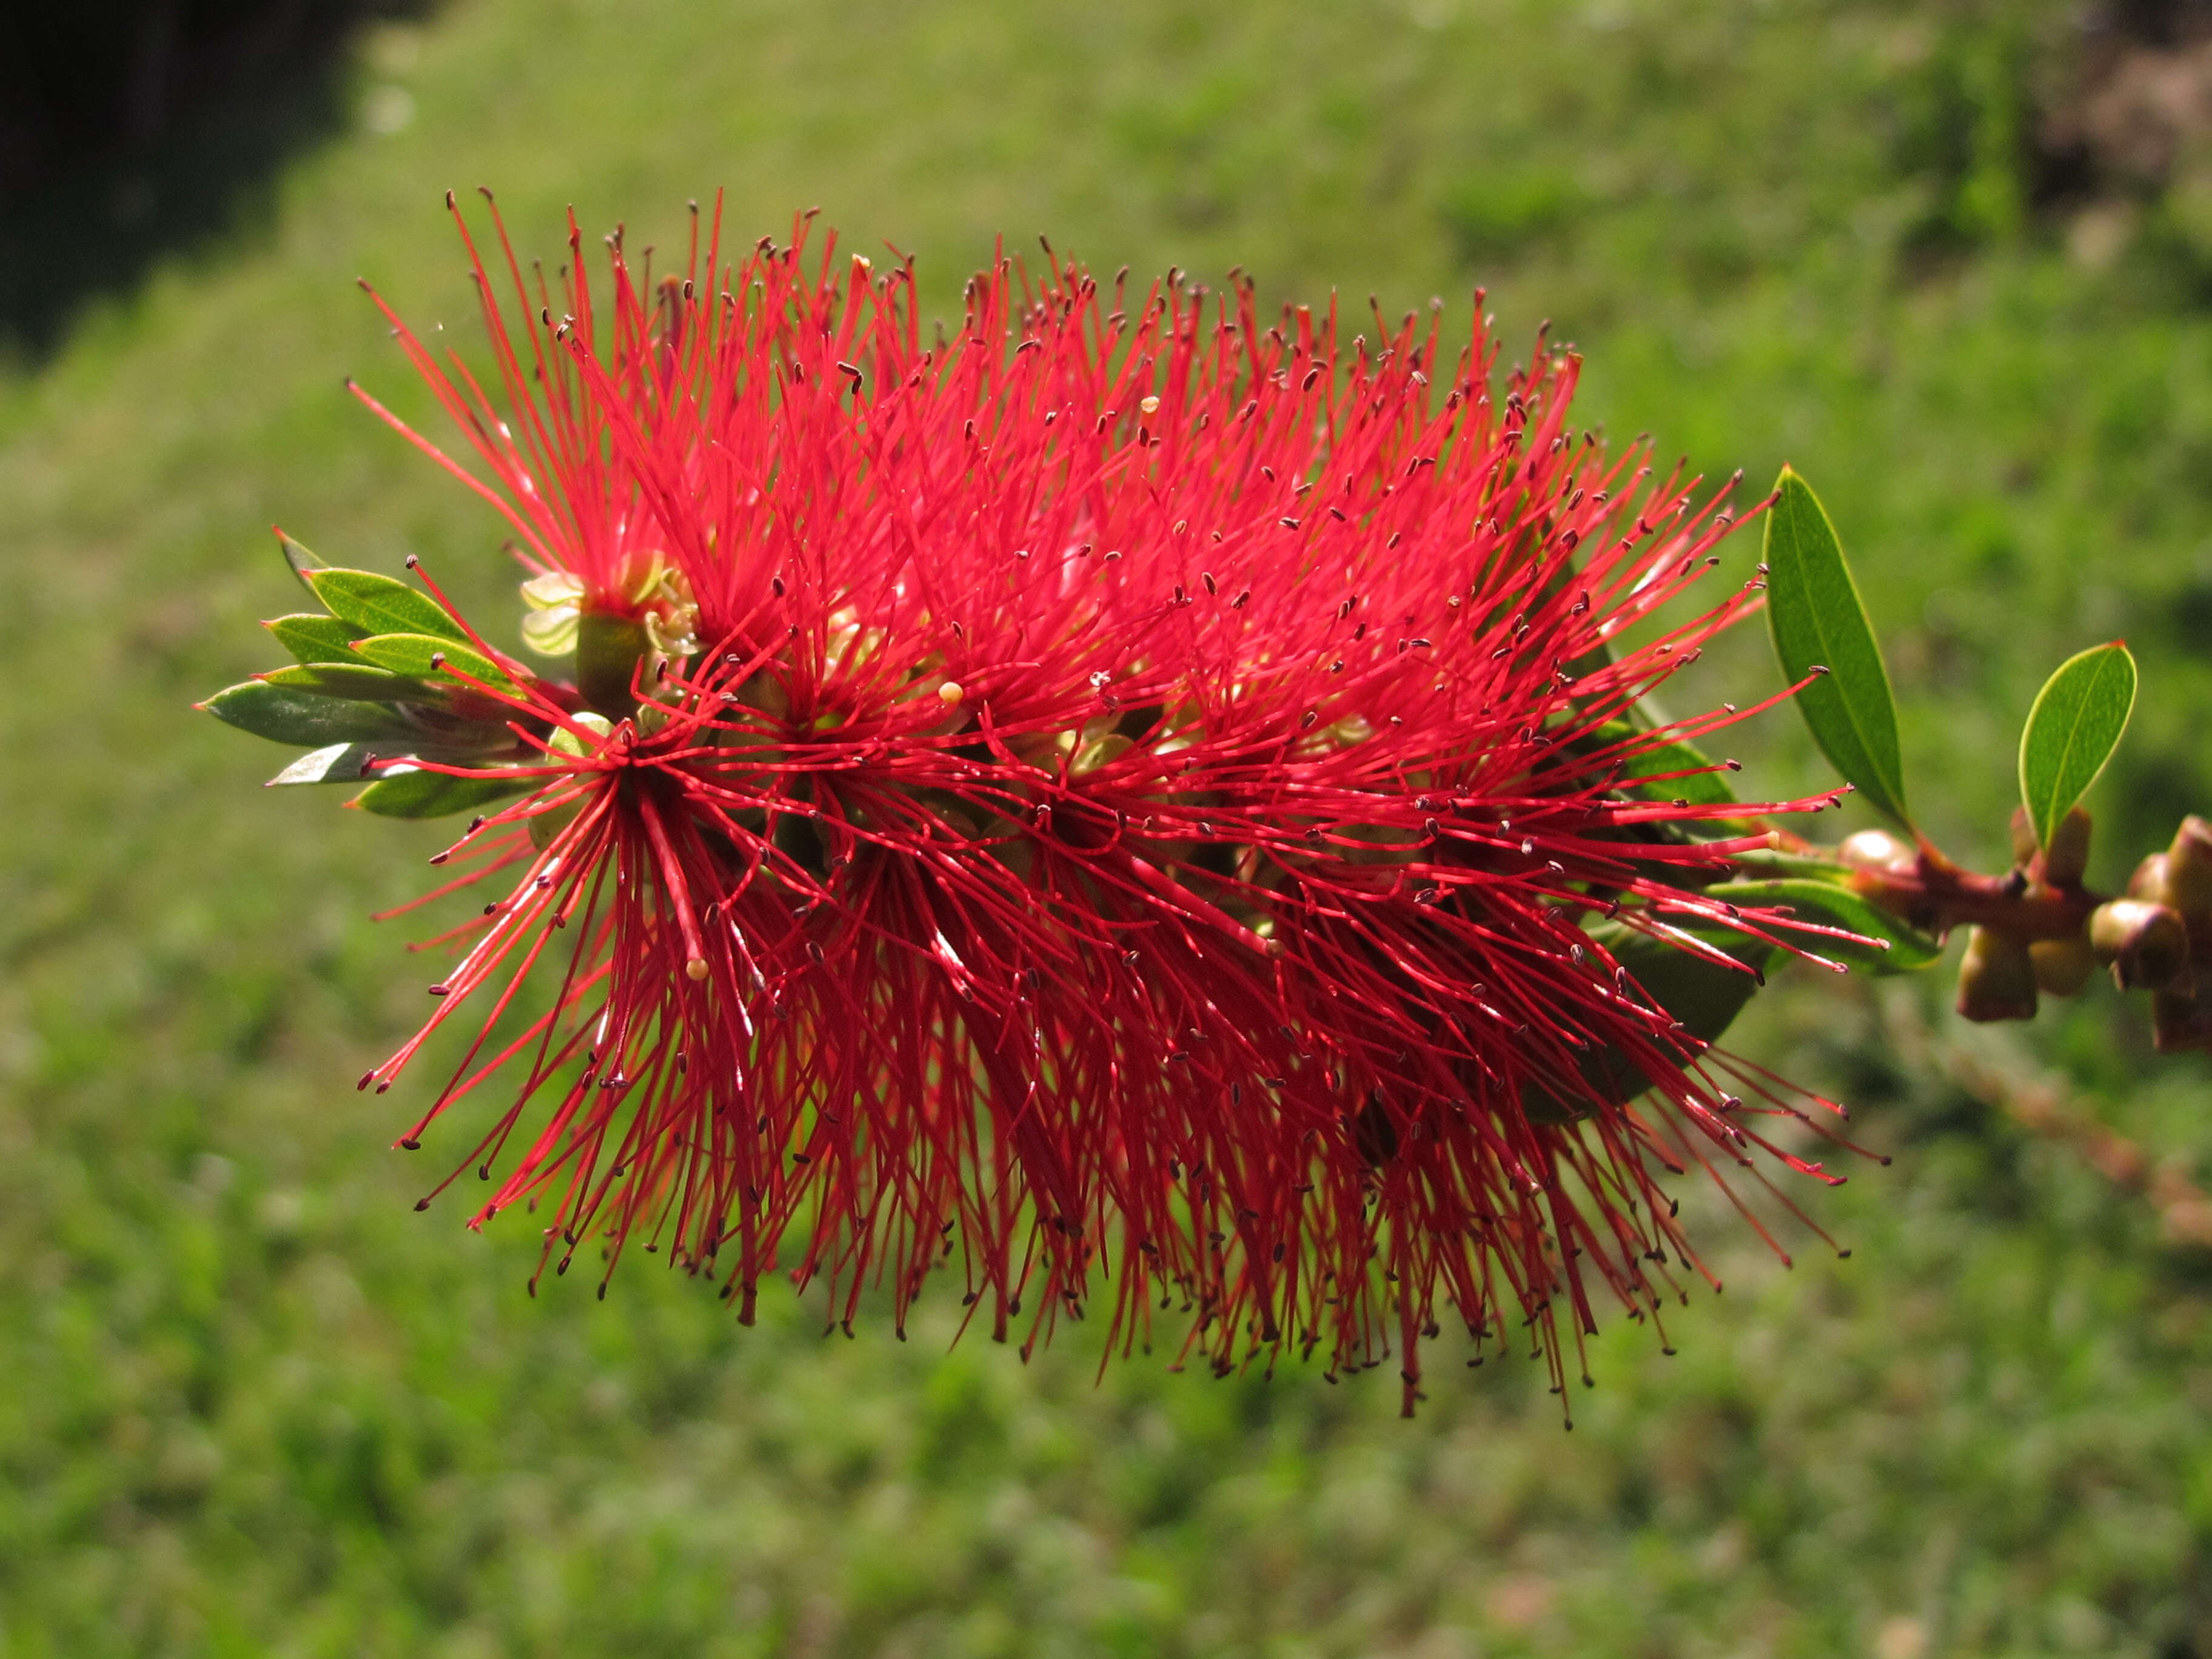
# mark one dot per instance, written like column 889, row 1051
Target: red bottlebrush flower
column 1126, row 800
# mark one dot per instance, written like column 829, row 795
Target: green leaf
column 1813, row 609
column 1832, row 904
column 411, row 654
column 1700, row 788
column 357, row 680
column 1811, row 866
column 1645, row 772
column 1705, row 995
column 285, row 713
column 1650, row 765
column 412, row 793
column 340, row 762
column 312, row 638
column 347, row 762
column 302, row 562
column 378, row 605
column 2072, row 731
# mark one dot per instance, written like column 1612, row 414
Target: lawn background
column 251, row 1403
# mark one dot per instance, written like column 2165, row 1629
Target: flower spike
column 1133, row 799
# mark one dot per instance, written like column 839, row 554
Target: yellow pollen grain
column 949, row 693
column 1150, row 405
column 696, row 968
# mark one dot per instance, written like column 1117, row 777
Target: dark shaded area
column 2165, row 23
column 131, row 128
column 2133, row 94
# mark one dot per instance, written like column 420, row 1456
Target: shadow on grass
column 132, row 129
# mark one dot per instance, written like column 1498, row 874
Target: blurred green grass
column 250, row 1402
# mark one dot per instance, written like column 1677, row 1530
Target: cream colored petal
column 552, row 590
column 552, row 632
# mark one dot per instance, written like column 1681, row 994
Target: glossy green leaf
column 457, row 733
column 312, row 638
column 1814, row 610
column 358, row 680
column 378, row 605
column 1775, row 862
column 2072, row 730
column 303, row 562
column 418, row 795
column 1645, row 773
column 1699, row 788
column 1889, row 946
column 347, row 762
column 413, row 655
column 338, row 762
column 285, row 713
column 1705, row 995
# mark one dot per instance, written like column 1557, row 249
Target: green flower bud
column 2146, row 945
column 2063, row 966
column 2066, row 858
column 2189, row 867
column 544, row 826
column 566, row 742
column 1997, row 980
column 764, row 693
column 1876, row 849
column 607, row 653
column 2149, row 881
column 1100, row 752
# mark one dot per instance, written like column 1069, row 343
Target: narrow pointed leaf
column 339, row 763
column 1817, row 619
column 358, row 680
column 1674, row 769
column 1663, row 769
column 1806, row 865
column 378, row 605
column 412, row 793
column 1885, row 944
column 412, row 653
column 312, row 638
column 348, row 763
column 303, row 562
column 1706, row 996
column 439, row 733
column 286, row 713
column 2072, row 730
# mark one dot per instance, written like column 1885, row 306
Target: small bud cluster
column 2172, row 890
column 2156, row 938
